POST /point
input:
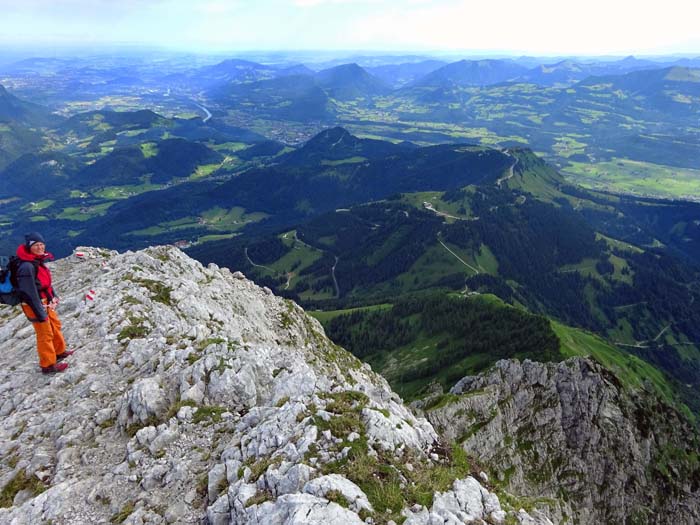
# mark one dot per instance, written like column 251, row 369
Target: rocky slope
column 195, row 396
column 573, row 438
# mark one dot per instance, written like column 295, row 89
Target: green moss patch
column 159, row 292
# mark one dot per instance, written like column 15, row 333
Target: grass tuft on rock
column 205, row 413
column 337, row 497
column 19, row 483
column 135, row 330
column 260, row 497
column 120, row 516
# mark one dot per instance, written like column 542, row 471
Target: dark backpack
column 9, row 292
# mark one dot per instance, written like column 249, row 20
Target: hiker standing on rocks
column 39, row 303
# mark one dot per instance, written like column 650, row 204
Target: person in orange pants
column 39, row 303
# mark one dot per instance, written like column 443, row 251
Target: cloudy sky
column 540, row 27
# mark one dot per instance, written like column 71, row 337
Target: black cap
column 32, row 238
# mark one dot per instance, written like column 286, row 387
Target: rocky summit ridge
column 195, row 396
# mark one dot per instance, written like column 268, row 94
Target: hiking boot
column 58, row 367
column 64, row 354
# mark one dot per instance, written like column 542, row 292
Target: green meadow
column 149, row 149
column 325, row 316
column 84, row 213
column 204, row 171
column 38, row 206
column 637, row 178
column 216, row 219
column 126, row 191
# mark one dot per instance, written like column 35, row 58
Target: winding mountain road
column 245, row 250
column 645, row 344
column 510, row 170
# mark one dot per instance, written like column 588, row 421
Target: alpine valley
column 510, row 246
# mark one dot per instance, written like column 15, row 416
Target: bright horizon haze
column 537, row 27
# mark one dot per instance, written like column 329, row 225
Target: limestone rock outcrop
column 576, row 441
column 195, row 396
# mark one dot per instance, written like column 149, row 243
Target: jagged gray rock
column 196, row 395
column 572, row 437
column 355, row 498
column 467, row 502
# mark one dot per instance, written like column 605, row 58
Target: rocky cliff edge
column 573, row 438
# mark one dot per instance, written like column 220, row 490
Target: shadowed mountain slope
column 15, row 110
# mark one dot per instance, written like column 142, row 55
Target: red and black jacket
column 34, row 281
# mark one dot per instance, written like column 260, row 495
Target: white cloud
column 536, row 26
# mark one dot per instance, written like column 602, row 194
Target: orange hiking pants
column 49, row 338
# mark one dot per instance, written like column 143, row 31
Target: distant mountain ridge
column 672, row 91
column 653, row 80
column 568, row 72
column 227, row 71
column 399, row 75
column 350, row 81
column 295, row 97
column 472, row 73
column 301, row 95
